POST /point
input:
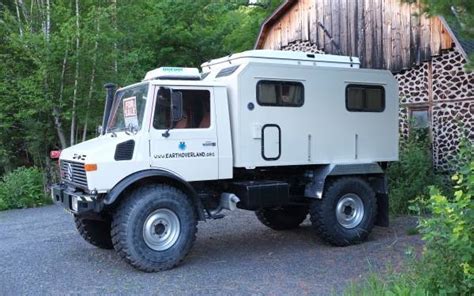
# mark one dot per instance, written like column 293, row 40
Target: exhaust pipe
column 228, row 201
column 109, row 99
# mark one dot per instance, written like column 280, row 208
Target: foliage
column 395, row 284
column 54, row 60
column 22, row 188
column 446, row 266
column 410, row 177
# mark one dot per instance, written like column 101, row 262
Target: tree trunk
column 91, row 85
column 114, row 23
column 57, row 109
column 26, row 17
column 48, row 21
column 59, row 127
column 19, row 19
column 76, row 79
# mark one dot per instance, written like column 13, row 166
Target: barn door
column 271, row 142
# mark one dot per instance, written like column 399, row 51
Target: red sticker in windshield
column 130, row 107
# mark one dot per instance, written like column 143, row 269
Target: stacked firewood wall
column 304, row 46
column 442, row 86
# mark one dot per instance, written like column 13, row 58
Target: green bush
column 411, row 176
column 22, row 188
column 394, row 285
column 447, row 265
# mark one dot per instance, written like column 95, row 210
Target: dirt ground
column 41, row 253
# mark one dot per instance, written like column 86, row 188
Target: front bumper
column 75, row 201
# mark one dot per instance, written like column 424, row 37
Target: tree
column 55, row 56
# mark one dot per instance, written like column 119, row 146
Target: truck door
column 187, row 147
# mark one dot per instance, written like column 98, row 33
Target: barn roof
column 272, row 19
column 465, row 44
column 419, row 47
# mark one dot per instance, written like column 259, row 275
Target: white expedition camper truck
column 284, row 134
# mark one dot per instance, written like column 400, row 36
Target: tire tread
column 119, row 225
column 95, row 232
column 321, row 209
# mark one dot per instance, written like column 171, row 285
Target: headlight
column 74, row 203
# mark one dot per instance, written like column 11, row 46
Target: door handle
column 209, row 144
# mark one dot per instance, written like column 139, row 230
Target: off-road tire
column 95, row 232
column 282, row 218
column 323, row 212
column 130, row 216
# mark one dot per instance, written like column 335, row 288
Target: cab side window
column 196, row 111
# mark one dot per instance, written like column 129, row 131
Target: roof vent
column 174, row 73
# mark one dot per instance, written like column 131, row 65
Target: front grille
column 73, row 173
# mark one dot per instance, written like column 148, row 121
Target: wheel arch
column 153, row 176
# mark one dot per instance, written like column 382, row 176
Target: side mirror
column 176, row 105
column 99, row 130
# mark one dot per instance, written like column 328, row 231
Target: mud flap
column 382, row 218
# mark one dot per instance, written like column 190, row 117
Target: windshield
column 128, row 109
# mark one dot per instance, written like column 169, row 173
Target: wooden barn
column 426, row 55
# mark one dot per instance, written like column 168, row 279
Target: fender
column 315, row 188
column 156, row 174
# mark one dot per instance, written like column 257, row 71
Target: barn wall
column 373, row 30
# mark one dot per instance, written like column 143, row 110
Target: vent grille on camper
column 124, row 151
column 227, row 71
column 74, row 173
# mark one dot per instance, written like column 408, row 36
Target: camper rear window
column 280, row 93
column 365, row 98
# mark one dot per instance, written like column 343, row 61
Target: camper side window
column 196, row 111
column 280, row 93
column 365, row 98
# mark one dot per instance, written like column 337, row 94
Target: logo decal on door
column 182, row 146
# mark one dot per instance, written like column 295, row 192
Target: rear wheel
column 346, row 213
column 282, row 218
column 95, row 232
column 154, row 228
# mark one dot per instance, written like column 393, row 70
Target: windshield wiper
column 131, row 129
column 112, row 131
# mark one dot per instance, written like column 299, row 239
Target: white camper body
column 284, row 134
column 320, row 131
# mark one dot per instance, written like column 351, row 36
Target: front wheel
column 95, row 232
column 154, row 228
column 346, row 213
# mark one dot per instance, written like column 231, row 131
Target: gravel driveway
column 41, row 253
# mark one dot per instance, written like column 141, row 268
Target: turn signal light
column 90, row 167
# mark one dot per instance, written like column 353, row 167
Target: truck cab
column 279, row 133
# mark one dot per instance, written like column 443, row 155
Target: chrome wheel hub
column 350, row 211
column 161, row 229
